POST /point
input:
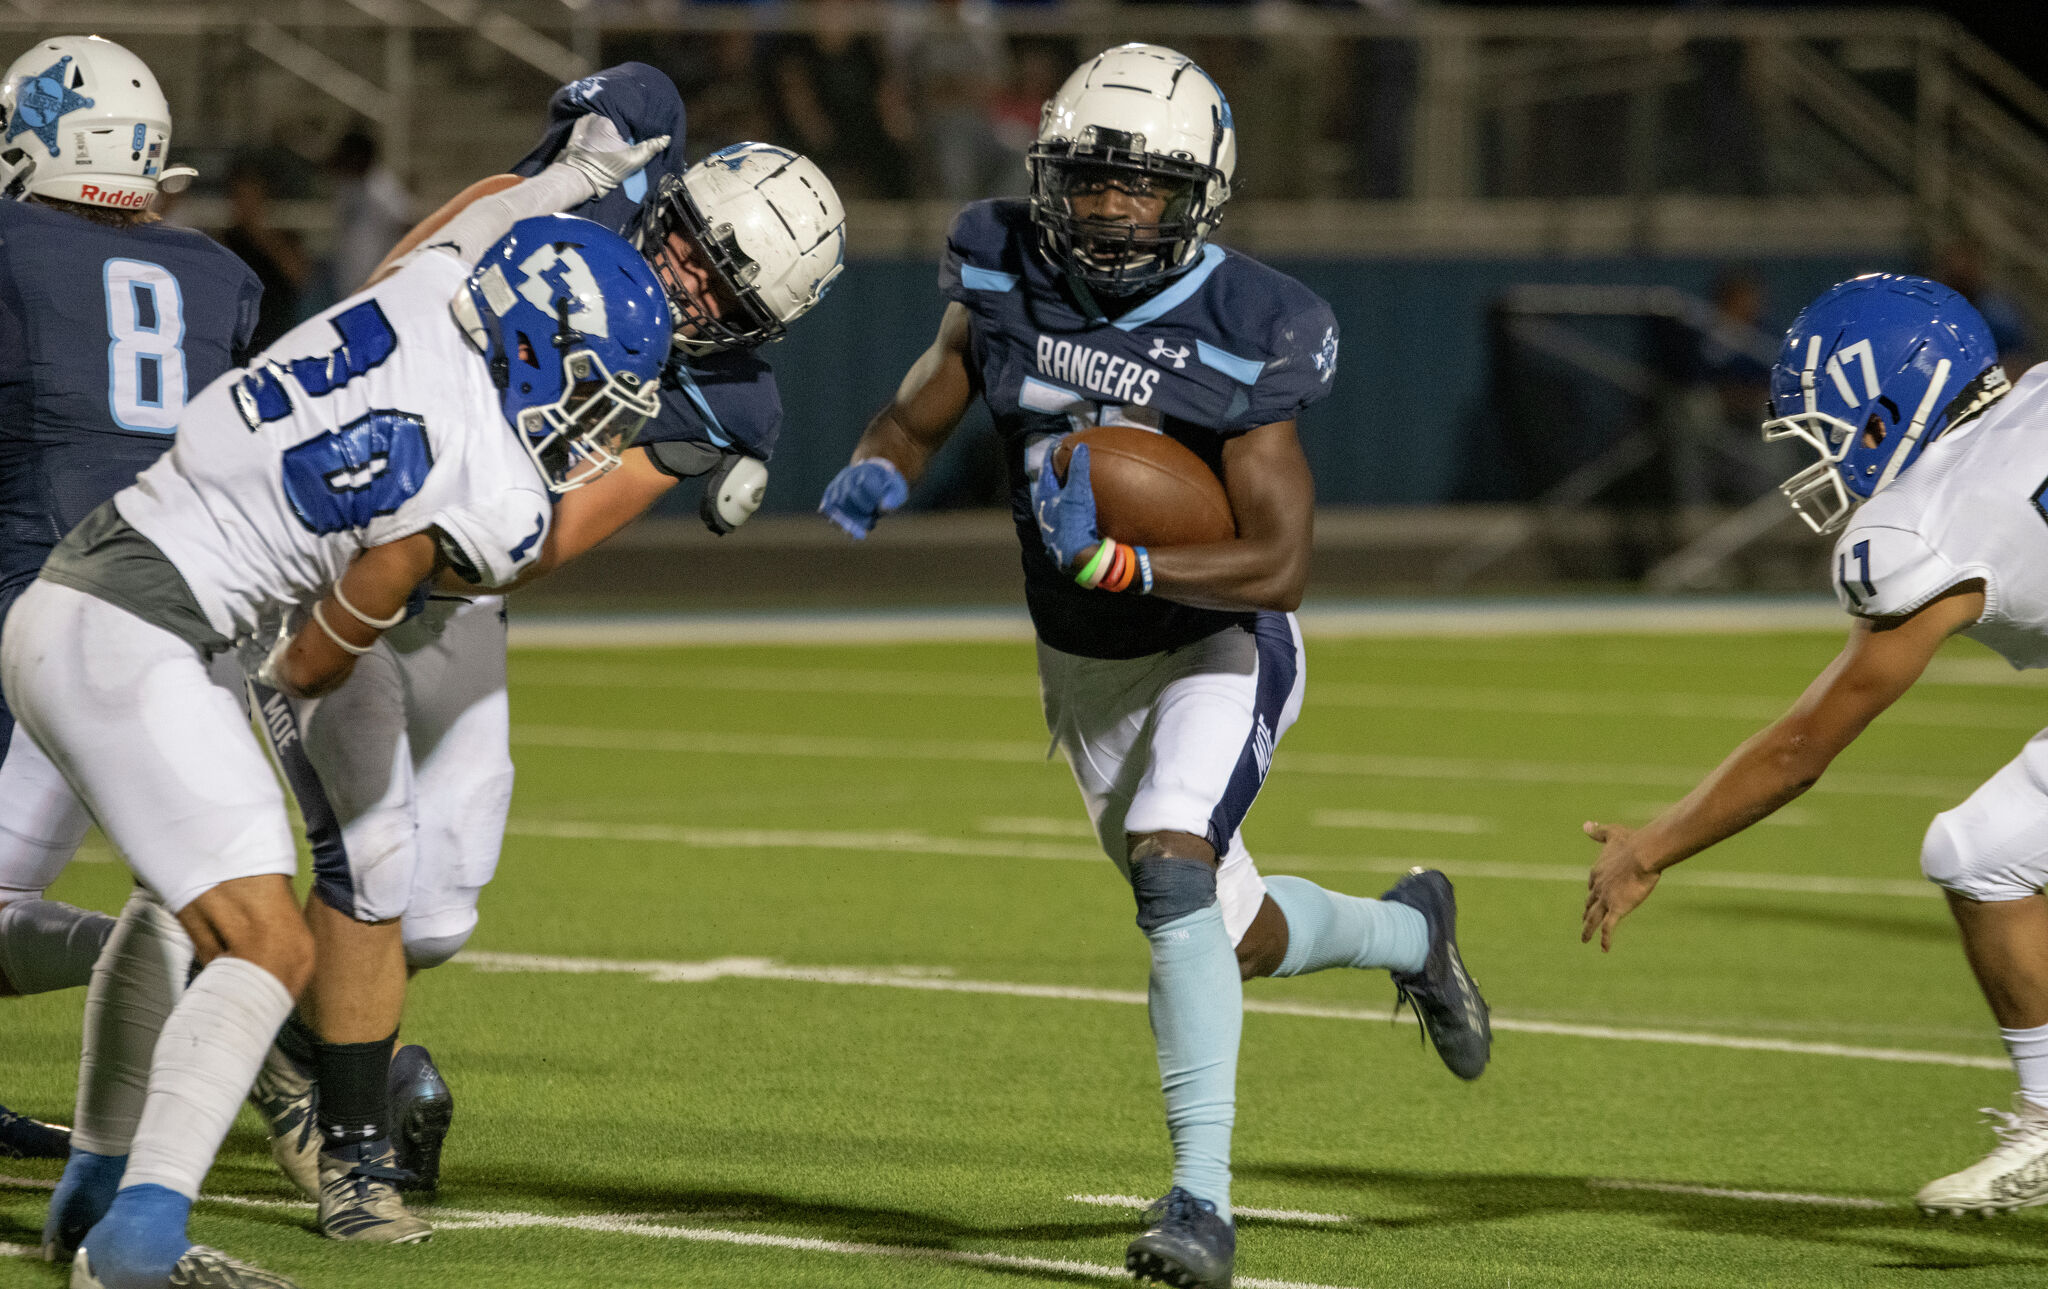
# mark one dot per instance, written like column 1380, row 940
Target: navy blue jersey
column 104, row 333
column 727, row 400
column 1228, row 346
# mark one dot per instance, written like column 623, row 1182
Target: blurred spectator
column 1037, row 68
column 831, row 104
column 1719, row 456
column 951, row 64
column 1960, row 265
column 728, row 106
column 371, row 210
column 276, row 256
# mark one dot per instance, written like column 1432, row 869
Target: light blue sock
column 141, row 1238
column 1197, row 1004
column 1327, row 929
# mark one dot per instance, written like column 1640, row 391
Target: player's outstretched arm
column 368, row 600
column 904, row 436
column 1273, row 498
column 1879, row 663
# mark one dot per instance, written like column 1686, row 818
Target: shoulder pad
column 984, row 252
column 1889, row 572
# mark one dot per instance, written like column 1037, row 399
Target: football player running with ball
column 405, row 772
column 1168, row 675
column 108, row 319
column 1934, row 469
column 425, row 424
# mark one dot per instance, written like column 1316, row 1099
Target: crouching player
column 1935, row 471
column 108, row 318
column 426, row 423
column 1168, row 675
column 405, row 773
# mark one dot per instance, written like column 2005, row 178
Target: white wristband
column 375, row 624
column 320, row 621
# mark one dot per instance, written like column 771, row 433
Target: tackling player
column 108, row 319
column 1168, row 675
column 405, row 773
column 1935, row 471
column 426, row 423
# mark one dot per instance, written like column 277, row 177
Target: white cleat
column 359, row 1197
column 2014, row 1175
column 199, row 1268
column 287, row 1099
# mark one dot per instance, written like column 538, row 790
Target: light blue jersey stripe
column 1245, row 371
column 1173, row 296
column 979, row 279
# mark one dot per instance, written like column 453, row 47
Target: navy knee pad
column 1170, row 887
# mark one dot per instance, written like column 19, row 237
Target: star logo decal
column 41, row 101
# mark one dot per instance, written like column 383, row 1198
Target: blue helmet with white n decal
column 1873, row 371
column 576, row 330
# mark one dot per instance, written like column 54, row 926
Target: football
column 1149, row 490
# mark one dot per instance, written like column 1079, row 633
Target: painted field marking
column 913, row 842
column 1236, row 1210
column 935, row 980
column 1395, row 821
column 1037, row 826
column 1734, row 615
column 1569, row 704
column 1761, row 1197
column 20, row 1251
column 1350, row 765
column 456, row 1219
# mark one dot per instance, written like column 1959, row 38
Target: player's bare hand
column 596, row 152
column 1620, row 880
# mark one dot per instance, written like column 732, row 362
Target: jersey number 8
column 146, row 359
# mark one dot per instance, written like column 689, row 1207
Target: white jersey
column 369, row 423
column 1973, row 506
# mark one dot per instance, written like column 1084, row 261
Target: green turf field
column 800, row 970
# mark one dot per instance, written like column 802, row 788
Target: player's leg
column 163, row 756
column 461, row 730
column 1990, row 855
column 348, row 762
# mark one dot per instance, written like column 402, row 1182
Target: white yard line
column 456, row 1219
column 912, row 842
column 1395, row 821
column 935, row 981
column 1761, row 1197
column 1351, row 765
column 1037, row 826
column 1236, row 1210
column 1571, row 704
column 1324, row 620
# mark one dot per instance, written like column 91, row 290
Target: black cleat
column 1445, row 997
column 1186, row 1244
column 24, row 1138
column 422, row 1108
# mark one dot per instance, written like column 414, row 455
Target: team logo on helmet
column 41, row 102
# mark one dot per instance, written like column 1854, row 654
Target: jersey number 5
column 146, row 359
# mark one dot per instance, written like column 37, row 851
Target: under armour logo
column 1161, row 352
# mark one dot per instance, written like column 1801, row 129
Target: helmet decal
column 41, row 101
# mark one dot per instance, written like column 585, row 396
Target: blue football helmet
column 1873, row 371
column 576, row 329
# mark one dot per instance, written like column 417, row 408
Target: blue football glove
column 1066, row 514
column 861, row 494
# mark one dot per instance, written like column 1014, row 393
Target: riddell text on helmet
column 112, row 196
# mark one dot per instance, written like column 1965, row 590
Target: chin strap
column 1085, row 297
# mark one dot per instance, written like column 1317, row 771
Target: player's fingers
column 1077, row 467
column 1607, row 931
column 1597, row 831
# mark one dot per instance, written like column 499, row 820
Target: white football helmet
column 1146, row 121
column 769, row 228
column 86, row 122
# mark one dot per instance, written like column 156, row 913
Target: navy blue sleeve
column 642, row 103
column 1300, row 368
column 728, row 401
column 980, row 253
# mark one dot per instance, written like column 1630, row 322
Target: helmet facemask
column 1111, row 255
column 1817, row 494
column 586, row 432
column 734, row 316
